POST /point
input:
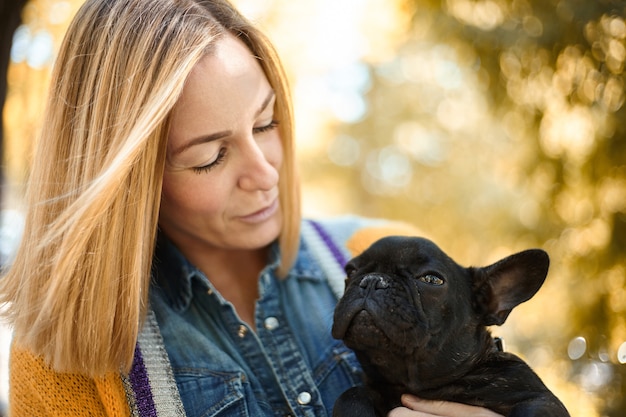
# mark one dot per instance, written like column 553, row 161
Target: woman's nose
column 259, row 168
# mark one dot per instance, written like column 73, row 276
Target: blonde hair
column 78, row 287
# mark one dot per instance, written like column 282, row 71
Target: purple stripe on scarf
column 141, row 386
column 337, row 253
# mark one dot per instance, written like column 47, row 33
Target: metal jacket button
column 271, row 323
column 304, row 398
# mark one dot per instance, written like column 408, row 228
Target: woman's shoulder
column 356, row 233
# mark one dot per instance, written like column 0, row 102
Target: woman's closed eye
column 215, row 162
column 270, row 126
column 219, row 158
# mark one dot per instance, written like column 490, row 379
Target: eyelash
column 272, row 125
column 222, row 153
column 220, row 157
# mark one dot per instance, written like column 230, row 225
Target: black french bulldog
column 417, row 323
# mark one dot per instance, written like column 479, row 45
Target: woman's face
column 220, row 186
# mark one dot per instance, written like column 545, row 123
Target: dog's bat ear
column 500, row 287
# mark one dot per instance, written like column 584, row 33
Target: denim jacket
column 289, row 366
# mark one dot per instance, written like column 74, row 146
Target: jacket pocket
column 339, row 371
column 207, row 393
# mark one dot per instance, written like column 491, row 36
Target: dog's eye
column 431, row 279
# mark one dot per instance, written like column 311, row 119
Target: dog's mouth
column 364, row 329
column 363, row 332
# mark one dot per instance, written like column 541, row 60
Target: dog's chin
column 365, row 333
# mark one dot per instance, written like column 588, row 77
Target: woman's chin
column 263, row 234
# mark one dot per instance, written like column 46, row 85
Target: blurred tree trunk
column 10, row 19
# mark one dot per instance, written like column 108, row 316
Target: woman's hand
column 416, row 407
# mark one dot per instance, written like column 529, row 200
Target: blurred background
column 492, row 125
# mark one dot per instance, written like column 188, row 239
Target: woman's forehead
column 225, row 89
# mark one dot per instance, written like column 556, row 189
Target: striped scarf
column 150, row 386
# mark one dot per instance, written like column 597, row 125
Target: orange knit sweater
column 37, row 390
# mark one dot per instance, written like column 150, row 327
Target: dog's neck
column 424, row 374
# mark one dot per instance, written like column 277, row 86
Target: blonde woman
column 164, row 268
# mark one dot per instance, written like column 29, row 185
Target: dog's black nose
column 374, row 281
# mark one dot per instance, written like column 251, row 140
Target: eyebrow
column 219, row 135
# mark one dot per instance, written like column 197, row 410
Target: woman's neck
column 235, row 274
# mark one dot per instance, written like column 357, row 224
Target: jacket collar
column 175, row 276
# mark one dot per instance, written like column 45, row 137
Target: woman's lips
column 263, row 214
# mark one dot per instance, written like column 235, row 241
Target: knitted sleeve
column 354, row 234
column 36, row 390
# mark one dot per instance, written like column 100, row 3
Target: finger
column 405, row 412
column 445, row 408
